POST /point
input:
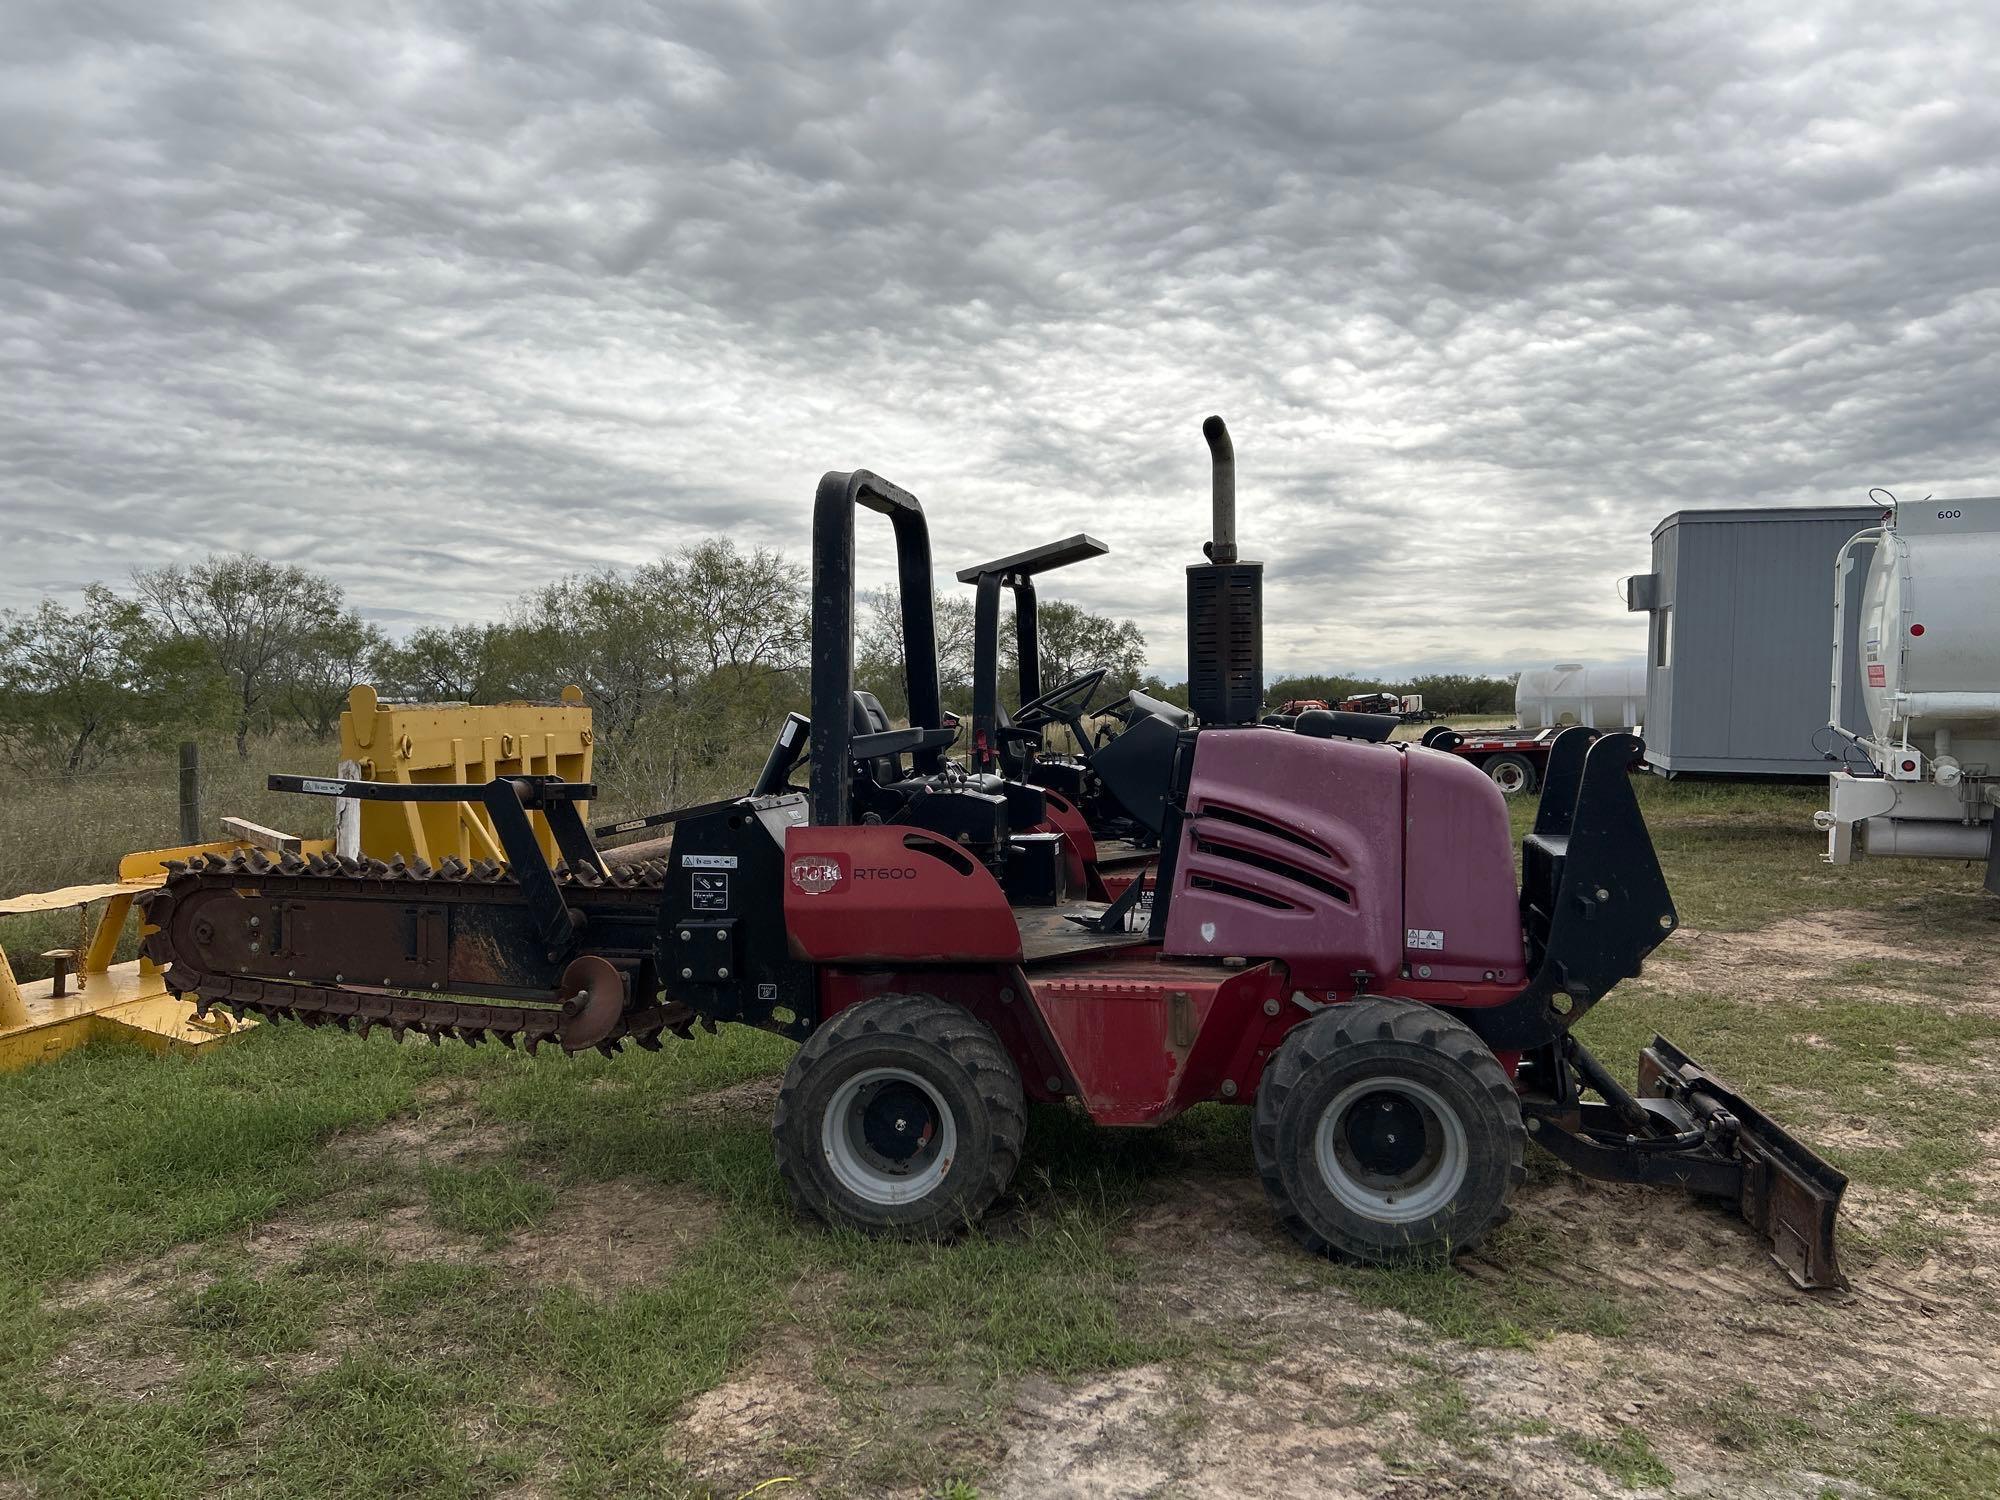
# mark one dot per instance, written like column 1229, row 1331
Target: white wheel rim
column 869, row 1173
column 1509, row 778
column 1405, row 1195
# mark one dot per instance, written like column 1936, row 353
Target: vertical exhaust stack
column 1225, row 607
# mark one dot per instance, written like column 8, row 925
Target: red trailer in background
column 1516, row 759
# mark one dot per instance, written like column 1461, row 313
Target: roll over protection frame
column 833, row 627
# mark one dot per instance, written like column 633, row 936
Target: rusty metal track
column 222, row 926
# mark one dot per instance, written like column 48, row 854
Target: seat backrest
column 1178, row 718
column 1330, row 723
column 1137, row 768
column 866, row 715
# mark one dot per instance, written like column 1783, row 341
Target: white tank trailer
column 1924, row 780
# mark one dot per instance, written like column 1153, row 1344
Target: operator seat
column 867, row 716
column 1331, row 723
column 1158, row 708
column 1138, row 766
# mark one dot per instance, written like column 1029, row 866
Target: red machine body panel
column 999, row 996
column 1292, row 848
column 880, row 893
column 1461, row 916
column 1146, row 1039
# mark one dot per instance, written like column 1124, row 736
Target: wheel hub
column 897, row 1121
column 1391, row 1149
column 1386, row 1135
column 888, row 1135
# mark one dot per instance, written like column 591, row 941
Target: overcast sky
column 446, row 299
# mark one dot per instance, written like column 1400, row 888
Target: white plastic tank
column 1603, row 697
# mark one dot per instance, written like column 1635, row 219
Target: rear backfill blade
column 1790, row 1194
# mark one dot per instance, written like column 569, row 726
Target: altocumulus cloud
column 447, row 298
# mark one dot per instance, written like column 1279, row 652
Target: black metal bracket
column 535, row 791
column 1593, row 900
column 1112, row 918
column 1687, row 1128
column 508, row 801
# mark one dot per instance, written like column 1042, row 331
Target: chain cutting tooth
column 650, row 1040
column 421, row 868
column 290, row 863
column 453, row 868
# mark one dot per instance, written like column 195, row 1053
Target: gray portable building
column 1740, row 647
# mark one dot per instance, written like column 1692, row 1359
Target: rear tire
column 1387, row 1131
column 903, row 1116
column 1513, row 774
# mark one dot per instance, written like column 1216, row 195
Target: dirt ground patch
column 604, row 1237
column 1847, row 950
column 737, row 1435
column 1358, row 1401
column 754, row 1099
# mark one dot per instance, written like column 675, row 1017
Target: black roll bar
column 833, row 627
column 1016, row 572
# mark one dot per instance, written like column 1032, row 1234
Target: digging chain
column 632, row 887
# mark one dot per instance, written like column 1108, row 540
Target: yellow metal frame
column 124, row 1002
column 457, row 742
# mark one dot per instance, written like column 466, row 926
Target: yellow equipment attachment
column 456, row 742
column 91, row 998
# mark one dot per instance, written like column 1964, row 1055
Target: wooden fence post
column 190, row 792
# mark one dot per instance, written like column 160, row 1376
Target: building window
column 1663, row 636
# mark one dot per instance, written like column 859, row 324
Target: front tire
column 903, row 1115
column 1387, row 1131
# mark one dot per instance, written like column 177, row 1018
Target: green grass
column 492, row 1201
column 1911, row 1455
column 1627, row 1457
column 358, row 1371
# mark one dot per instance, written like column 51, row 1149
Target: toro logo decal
column 816, row 874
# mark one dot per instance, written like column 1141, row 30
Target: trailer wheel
column 1513, row 774
column 1386, row 1130
column 904, row 1116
